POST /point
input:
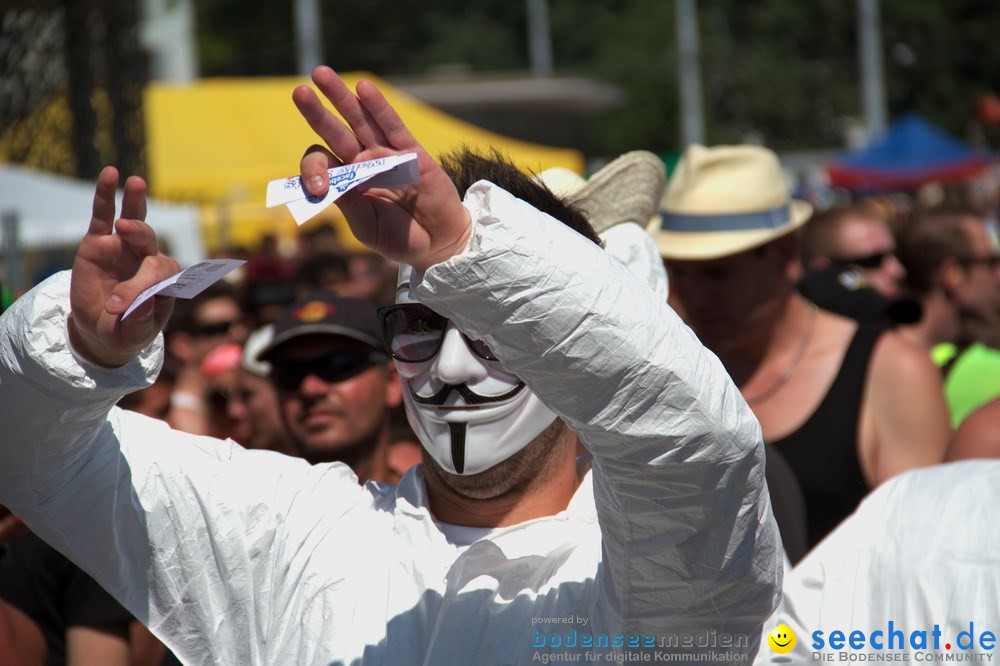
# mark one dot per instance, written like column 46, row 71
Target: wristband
column 185, row 400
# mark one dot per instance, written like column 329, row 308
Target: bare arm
column 907, row 422
column 97, row 646
column 979, row 434
column 21, row 641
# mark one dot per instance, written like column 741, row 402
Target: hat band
column 766, row 219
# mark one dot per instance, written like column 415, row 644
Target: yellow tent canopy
column 219, row 141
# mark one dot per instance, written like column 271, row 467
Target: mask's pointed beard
column 458, row 445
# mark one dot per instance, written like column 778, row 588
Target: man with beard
column 334, row 382
column 953, row 265
column 503, row 550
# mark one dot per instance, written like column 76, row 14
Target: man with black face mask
column 514, row 333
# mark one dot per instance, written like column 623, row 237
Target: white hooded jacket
column 249, row 557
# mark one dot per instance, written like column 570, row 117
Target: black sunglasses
column 211, row 330
column 871, row 261
column 332, row 368
column 413, row 333
column 990, row 261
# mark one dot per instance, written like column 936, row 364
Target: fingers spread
column 360, row 121
column 103, row 218
column 389, row 122
column 322, row 121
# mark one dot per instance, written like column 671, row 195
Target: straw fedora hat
column 726, row 200
column 627, row 189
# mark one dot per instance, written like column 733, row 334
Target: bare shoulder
column 833, row 334
column 898, row 362
column 906, row 416
column 979, row 434
column 21, row 640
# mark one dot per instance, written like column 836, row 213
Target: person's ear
column 950, row 274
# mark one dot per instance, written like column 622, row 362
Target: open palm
column 420, row 225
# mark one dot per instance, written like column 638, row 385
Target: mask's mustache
column 468, row 395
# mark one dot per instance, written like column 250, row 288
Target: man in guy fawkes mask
column 485, row 431
column 486, row 435
column 515, row 334
column 470, row 414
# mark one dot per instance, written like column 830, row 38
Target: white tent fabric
column 54, row 211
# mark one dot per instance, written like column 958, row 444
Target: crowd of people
column 537, row 407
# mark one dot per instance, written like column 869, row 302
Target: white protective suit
column 919, row 553
column 249, row 557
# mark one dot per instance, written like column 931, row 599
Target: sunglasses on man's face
column 871, row 261
column 332, row 368
column 990, row 261
column 212, row 330
column 414, row 333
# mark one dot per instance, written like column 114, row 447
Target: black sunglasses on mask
column 331, row 368
column 414, row 333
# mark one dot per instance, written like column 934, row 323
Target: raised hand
column 114, row 263
column 420, row 225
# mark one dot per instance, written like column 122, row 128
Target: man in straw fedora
column 513, row 333
column 848, row 405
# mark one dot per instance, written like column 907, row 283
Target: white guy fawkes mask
column 468, row 412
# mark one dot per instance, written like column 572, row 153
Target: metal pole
column 870, row 59
column 308, row 36
column 539, row 38
column 692, row 118
column 13, row 273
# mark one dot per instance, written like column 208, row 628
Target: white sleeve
column 633, row 246
column 690, row 544
column 187, row 532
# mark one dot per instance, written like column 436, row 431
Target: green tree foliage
column 781, row 71
column 941, row 57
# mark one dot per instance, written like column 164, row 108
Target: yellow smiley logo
column 781, row 639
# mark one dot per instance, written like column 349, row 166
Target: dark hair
column 466, row 167
column 819, row 235
column 316, row 269
column 927, row 240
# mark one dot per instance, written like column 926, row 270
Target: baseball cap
column 325, row 313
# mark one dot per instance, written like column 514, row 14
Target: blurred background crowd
column 884, row 115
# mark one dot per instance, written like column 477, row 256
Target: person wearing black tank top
column 845, row 407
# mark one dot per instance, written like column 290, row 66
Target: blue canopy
column 912, row 152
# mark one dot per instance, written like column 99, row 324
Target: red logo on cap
column 314, row 311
